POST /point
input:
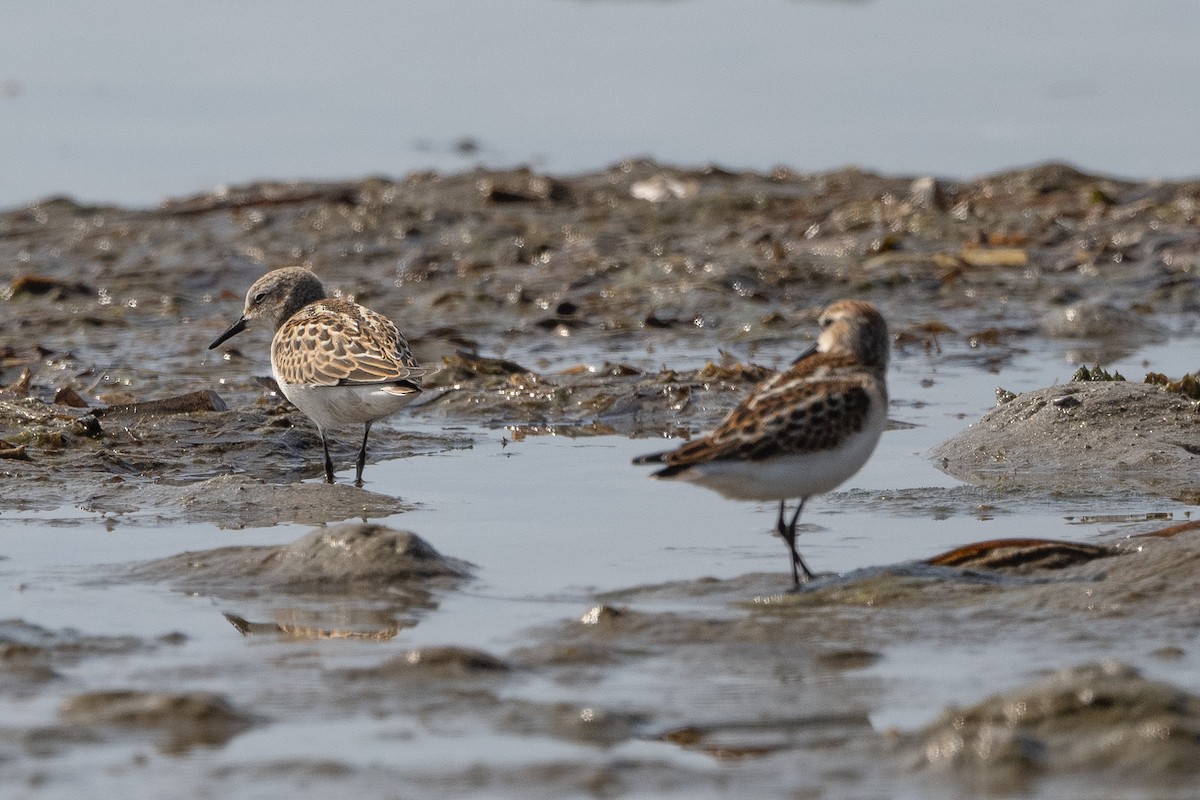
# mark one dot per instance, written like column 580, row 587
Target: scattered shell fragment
column 663, row 187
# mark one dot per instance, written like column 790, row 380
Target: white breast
column 330, row 406
column 790, row 476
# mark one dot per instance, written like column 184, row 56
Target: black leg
column 788, row 535
column 362, row 456
column 788, row 532
column 328, row 460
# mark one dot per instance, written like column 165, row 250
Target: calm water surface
column 134, row 102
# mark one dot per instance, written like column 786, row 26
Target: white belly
column 787, row 477
column 330, row 406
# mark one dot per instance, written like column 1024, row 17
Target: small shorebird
column 336, row 361
column 802, row 432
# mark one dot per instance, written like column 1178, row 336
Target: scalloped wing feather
column 336, row 343
column 813, row 406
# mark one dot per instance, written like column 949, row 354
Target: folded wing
column 338, row 343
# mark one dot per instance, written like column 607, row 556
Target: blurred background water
column 133, row 102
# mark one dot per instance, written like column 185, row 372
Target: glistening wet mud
column 593, row 633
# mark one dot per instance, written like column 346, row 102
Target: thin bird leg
column 789, row 537
column 362, row 456
column 780, row 527
column 328, row 460
column 788, row 532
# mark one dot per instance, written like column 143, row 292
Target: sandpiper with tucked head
column 336, row 361
column 802, row 432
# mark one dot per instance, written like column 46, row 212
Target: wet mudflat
column 509, row 606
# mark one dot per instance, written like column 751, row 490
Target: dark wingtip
column 669, row 471
column 234, row 330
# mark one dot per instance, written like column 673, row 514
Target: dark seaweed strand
column 1046, row 554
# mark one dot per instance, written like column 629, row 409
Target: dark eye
column 258, row 298
column 825, row 322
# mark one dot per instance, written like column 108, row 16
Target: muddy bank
column 1094, row 434
column 1104, row 720
column 562, row 281
column 378, row 579
column 163, row 460
column 180, row 721
column 346, row 560
column 831, row 653
column 31, row 655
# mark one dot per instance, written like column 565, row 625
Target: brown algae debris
column 1188, row 385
